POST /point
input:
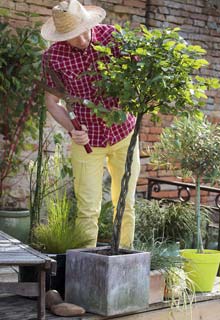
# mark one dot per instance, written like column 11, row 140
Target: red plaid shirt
column 69, row 63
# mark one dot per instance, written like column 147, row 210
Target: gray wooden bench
column 15, row 253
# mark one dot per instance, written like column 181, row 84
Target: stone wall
column 199, row 21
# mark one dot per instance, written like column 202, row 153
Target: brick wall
column 199, row 21
column 118, row 11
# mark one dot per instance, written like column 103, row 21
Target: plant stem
column 35, row 203
column 200, row 248
column 124, row 188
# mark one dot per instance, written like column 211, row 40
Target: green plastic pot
column 16, row 223
column 201, row 268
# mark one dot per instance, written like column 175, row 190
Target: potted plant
column 194, row 144
column 153, row 73
column 20, row 65
column 162, row 228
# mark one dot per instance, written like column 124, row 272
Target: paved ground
column 16, row 307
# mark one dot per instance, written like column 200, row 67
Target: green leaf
column 169, row 44
column 141, row 51
column 103, row 49
column 180, row 46
column 118, row 27
column 200, row 63
column 197, row 48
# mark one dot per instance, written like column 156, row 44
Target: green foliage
column 20, row 65
column 58, row 234
column 153, row 72
column 180, row 290
column 148, row 71
column 167, row 221
column 192, row 142
column 105, row 222
column 54, row 172
column 164, row 255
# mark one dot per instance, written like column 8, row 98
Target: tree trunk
column 199, row 246
column 124, row 188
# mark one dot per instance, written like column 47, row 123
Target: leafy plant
column 179, row 290
column 151, row 72
column 148, row 71
column 57, row 234
column 48, row 175
column 20, row 65
column 164, row 255
column 194, row 144
column 167, row 221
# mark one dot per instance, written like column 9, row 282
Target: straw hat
column 70, row 19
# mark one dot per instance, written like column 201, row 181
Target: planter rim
column 194, row 252
column 93, row 251
column 16, row 213
column 209, row 256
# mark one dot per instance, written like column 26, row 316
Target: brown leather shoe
column 67, row 309
column 52, row 298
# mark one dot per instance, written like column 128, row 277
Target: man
column 75, row 28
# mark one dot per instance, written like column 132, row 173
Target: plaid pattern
column 69, row 63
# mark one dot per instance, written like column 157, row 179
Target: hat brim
column 95, row 16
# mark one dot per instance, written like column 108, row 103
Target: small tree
column 194, row 145
column 152, row 73
column 149, row 72
column 20, row 65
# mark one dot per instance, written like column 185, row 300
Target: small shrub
column 156, row 220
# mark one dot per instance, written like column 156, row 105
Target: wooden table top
column 14, row 252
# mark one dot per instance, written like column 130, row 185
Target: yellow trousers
column 88, row 176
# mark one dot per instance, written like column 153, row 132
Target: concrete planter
column 108, row 285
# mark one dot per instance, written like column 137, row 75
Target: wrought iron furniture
column 183, row 192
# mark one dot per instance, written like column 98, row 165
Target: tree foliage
column 20, row 65
column 148, row 71
column 154, row 71
column 193, row 143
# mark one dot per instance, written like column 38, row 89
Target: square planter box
column 108, row 285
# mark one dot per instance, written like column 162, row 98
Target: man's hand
column 80, row 136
